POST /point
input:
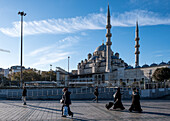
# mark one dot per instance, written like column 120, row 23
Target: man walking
column 96, row 94
column 24, row 94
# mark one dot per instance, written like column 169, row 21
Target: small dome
column 162, row 63
column 168, row 62
column 145, row 66
column 137, row 67
column 153, row 64
column 126, row 65
column 129, row 67
column 101, row 48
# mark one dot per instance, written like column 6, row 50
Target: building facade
column 104, row 67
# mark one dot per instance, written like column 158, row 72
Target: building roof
column 101, row 48
column 114, row 57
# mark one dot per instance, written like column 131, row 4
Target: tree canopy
column 33, row 75
column 161, row 74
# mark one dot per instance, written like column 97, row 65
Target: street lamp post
column 68, row 63
column 50, row 71
column 22, row 14
column 68, row 71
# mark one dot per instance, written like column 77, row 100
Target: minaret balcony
column 137, row 52
column 108, row 35
column 137, row 39
column 136, row 46
column 109, row 43
column 108, row 26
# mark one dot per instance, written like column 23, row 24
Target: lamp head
column 22, row 13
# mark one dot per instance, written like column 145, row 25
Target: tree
column 28, row 75
column 122, row 84
column 161, row 74
column 33, row 75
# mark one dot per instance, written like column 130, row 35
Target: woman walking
column 66, row 101
column 135, row 101
column 117, row 100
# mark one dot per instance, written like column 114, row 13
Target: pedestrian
column 117, row 100
column 66, row 101
column 96, row 94
column 135, row 106
column 24, row 94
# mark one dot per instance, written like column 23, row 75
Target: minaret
column 108, row 43
column 137, row 52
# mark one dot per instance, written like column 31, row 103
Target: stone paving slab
column 154, row 110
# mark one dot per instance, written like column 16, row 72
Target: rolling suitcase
column 108, row 106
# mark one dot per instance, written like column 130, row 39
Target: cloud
column 54, row 53
column 101, row 9
column 83, row 33
column 158, row 55
column 93, row 21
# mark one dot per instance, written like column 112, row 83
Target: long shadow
column 148, row 107
column 42, row 107
column 154, row 107
column 156, row 113
column 33, row 107
column 48, row 108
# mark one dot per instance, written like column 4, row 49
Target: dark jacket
column 66, row 98
column 96, row 93
column 136, row 102
column 24, row 93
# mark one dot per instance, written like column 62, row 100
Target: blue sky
column 56, row 29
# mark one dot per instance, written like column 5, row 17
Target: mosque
column 104, row 67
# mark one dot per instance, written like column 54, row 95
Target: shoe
column 72, row 115
column 130, row 110
column 63, row 116
column 25, row 104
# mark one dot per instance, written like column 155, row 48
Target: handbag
column 65, row 110
column 62, row 101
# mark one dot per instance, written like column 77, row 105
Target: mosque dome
column 101, row 48
column 153, row 64
column 145, row 66
column 168, row 62
column 137, row 67
column 162, row 63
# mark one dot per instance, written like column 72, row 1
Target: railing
column 55, row 92
column 31, row 93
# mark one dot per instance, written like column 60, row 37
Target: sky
column 56, row 29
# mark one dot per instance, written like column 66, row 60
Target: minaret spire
column 137, row 52
column 108, row 42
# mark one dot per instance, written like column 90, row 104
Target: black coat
column 136, row 102
column 117, row 101
column 24, row 93
column 66, row 98
column 96, row 93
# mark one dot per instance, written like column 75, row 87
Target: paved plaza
column 154, row 110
